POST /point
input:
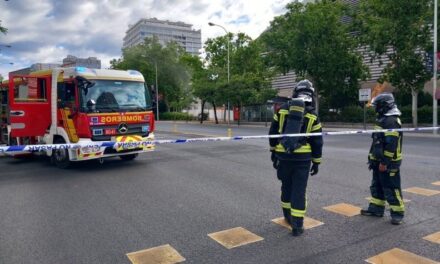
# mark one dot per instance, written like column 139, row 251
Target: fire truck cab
column 80, row 105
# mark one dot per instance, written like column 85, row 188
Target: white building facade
column 166, row 31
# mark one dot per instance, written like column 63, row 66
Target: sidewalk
column 327, row 126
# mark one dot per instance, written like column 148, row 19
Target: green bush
column 424, row 114
column 175, row 116
column 355, row 114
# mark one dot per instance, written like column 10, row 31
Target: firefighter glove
column 315, row 168
column 370, row 165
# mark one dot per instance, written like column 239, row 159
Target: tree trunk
column 201, row 114
column 215, row 113
column 224, row 113
column 414, row 107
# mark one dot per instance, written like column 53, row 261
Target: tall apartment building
column 166, row 31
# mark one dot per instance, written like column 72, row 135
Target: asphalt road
column 177, row 195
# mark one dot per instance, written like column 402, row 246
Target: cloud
column 49, row 30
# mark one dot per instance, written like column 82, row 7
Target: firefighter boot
column 396, row 218
column 286, row 213
column 297, row 225
column 373, row 210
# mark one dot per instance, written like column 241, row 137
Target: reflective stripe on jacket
column 387, row 146
column 311, row 148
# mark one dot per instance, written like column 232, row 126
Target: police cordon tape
column 140, row 144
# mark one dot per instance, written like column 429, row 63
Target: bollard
column 229, row 132
column 175, row 128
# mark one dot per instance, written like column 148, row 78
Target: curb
column 329, row 127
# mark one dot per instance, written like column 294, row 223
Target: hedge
column 176, row 116
column 424, row 114
column 355, row 114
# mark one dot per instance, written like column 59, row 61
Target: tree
column 249, row 77
column 314, row 42
column 401, row 30
column 172, row 73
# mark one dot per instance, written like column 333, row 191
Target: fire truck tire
column 128, row 157
column 60, row 157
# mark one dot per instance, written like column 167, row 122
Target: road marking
column 309, row 223
column 192, row 134
column 399, row 256
column 436, row 183
column 164, row 254
column 433, row 238
column 422, row 191
column 344, row 209
column 404, row 200
column 235, row 237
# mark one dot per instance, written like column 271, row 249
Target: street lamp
column 156, row 87
column 227, row 38
column 434, row 82
column 157, row 92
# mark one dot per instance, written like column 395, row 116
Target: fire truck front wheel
column 60, row 157
column 128, row 157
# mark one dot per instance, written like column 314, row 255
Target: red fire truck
column 78, row 105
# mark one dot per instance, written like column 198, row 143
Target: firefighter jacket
column 310, row 148
column 387, row 146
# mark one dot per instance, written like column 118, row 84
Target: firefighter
column 295, row 157
column 384, row 160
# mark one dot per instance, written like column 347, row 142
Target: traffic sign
column 364, row 95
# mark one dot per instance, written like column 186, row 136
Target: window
column 30, row 89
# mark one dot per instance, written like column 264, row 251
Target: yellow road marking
column 422, row 191
column 399, row 256
column 194, row 134
column 344, row 209
column 308, row 222
column 436, row 183
column 404, row 200
column 164, row 254
column 235, row 237
column 435, row 238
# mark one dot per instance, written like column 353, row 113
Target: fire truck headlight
column 96, row 148
column 86, row 150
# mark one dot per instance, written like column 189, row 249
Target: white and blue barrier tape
column 129, row 145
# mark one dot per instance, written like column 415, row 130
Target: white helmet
column 304, row 90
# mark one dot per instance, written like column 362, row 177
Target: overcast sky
column 48, row 30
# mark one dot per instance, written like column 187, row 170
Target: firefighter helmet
column 384, row 104
column 304, row 90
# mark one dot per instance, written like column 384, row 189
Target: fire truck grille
column 133, row 129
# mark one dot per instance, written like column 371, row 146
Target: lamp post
column 434, row 82
column 227, row 38
column 156, row 87
column 157, row 92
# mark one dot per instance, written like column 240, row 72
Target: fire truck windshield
column 115, row 96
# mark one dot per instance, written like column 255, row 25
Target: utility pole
column 227, row 39
column 157, row 92
column 434, row 82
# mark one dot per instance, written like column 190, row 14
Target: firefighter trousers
column 294, row 176
column 386, row 187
